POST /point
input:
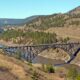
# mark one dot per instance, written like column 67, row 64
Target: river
column 43, row 60
column 57, row 63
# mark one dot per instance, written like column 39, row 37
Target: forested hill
column 71, row 18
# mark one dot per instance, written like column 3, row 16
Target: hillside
column 56, row 28
column 14, row 69
column 71, row 18
column 46, row 29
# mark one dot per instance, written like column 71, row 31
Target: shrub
column 35, row 75
column 78, row 77
column 29, row 63
column 50, row 69
column 66, row 39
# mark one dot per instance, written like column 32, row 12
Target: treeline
column 46, row 22
column 58, row 20
column 24, row 37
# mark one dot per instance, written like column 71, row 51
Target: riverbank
column 38, row 61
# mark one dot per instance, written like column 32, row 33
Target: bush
column 35, row 75
column 29, row 63
column 50, row 69
column 66, row 39
column 78, row 77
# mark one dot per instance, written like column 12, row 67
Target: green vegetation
column 64, row 40
column 48, row 68
column 35, row 75
column 46, row 22
column 30, row 63
column 55, row 20
column 7, row 35
column 72, row 74
column 75, row 23
column 24, row 37
column 78, row 77
column 75, row 15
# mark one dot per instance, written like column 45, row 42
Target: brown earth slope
column 13, row 69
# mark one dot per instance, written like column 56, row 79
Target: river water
column 57, row 63
column 43, row 60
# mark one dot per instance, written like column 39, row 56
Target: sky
column 27, row 8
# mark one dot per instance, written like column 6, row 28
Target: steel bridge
column 29, row 52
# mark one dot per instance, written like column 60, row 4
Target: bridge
column 29, row 52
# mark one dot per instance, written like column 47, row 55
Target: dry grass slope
column 13, row 69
